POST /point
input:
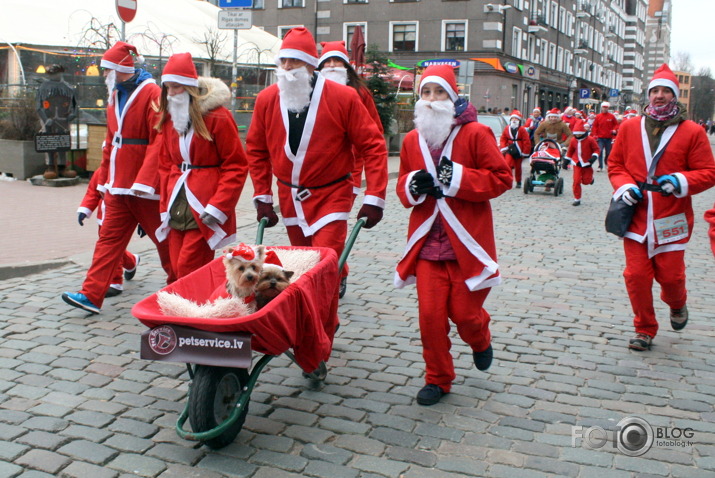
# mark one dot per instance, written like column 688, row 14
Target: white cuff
column 216, row 213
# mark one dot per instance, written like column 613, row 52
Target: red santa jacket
column 92, row 200
column 604, row 126
column 687, row 155
column 710, row 218
column 369, row 103
column 122, row 158
column 570, row 121
column 212, row 172
column 336, row 123
column 581, row 150
column 480, row 173
column 521, row 140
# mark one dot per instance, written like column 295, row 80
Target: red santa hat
column 299, row 44
column 120, row 58
column 516, row 114
column 334, row 49
column 242, row 252
column 272, row 260
column 605, row 104
column 537, row 110
column 553, row 112
column 663, row 76
column 443, row 75
column 578, row 127
column 180, row 69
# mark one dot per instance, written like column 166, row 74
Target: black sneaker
column 640, row 342
column 576, row 202
column 679, row 318
column 430, row 394
column 483, row 359
column 129, row 274
column 113, row 292
column 343, row 287
column 518, row 185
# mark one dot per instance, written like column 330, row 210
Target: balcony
column 611, row 32
column 584, row 10
column 581, row 48
column 537, row 23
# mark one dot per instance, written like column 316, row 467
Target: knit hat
column 553, row 112
column 299, row 44
column 516, row 114
column 272, row 260
column 443, row 75
column 333, row 49
column 119, row 58
column 242, row 252
column 663, row 76
column 180, row 69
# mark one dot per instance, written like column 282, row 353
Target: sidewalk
column 41, row 230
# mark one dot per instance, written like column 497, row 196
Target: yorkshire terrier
column 243, row 268
column 273, row 279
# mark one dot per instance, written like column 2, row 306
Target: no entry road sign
column 127, row 10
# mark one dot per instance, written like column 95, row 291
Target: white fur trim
column 374, row 201
column 619, row 192
column 683, row 185
column 175, row 305
column 216, row 213
column 115, row 66
column 663, row 82
column 334, row 54
column 442, row 82
column 86, row 211
column 266, row 198
column 298, row 55
column 142, row 188
column 182, row 80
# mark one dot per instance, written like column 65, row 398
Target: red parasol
column 357, row 47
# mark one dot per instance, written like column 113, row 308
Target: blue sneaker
column 80, row 301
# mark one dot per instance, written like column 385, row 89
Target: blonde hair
column 197, row 118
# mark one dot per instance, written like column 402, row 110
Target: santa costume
column 553, row 128
column 451, row 252
column 130, row 121
column 663, row 219
column 201, row 172
column 604, row 129
column 582, row 153
column 311, row 154
column 515, row 144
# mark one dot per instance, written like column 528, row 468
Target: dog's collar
column 249, row 298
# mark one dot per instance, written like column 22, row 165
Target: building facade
column 657, row 36
column 524, row 53
column 685, row 83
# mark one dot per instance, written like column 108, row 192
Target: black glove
column 140, row 231
column 372, row 215
column 422, row 182
column 263, row 209
column 81, row 217
column 444, row 171
column 208, row 219
column 565, row 163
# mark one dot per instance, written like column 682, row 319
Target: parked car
column 496, row 122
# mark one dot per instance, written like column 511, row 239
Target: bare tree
column 163, row 41
column 702, row 95
column 681, row 62
column 252, row 55
column 212, row 41
column 98, row 35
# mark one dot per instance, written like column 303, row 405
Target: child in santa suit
column 515, row 144
column 450, row 167
column 582, row 153
column 201, row 166
column 127, row 269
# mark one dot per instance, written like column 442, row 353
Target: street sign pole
column 234, row 73
column 234, row 16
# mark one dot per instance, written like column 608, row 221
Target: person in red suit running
column 450, row 167
column 662, row 223
column 201, row 165
column 130, row 120
column 604, row 129
column 582, row 153
column 515, row 144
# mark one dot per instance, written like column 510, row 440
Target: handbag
column 513, row 150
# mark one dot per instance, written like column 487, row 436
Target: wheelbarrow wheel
column 213, row 396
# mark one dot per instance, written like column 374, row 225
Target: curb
column 14, row 271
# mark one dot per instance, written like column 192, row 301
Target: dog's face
column 241, row 275
column 272, row 282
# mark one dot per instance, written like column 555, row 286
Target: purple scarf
column 665, row 112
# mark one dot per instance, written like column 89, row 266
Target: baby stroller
column 545, row 161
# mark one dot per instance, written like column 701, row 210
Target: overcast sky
column 693, row 32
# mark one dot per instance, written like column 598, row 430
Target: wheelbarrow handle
column 259, row 231
column 350, row 243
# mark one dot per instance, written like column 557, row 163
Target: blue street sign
column 235, row 3
column 584, row 93
column 613, row 93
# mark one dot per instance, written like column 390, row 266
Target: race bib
column 670, row 229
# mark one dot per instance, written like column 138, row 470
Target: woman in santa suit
column 515, row 144
column 663, row 218
column 201, row 165
column 450, row 167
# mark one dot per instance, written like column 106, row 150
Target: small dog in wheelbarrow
column 273, row 280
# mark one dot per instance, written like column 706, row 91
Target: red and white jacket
column 92, row 200
column 337, row 123
column 480, row 173
column 521, row 140
column 581, row 150
column 687, row 156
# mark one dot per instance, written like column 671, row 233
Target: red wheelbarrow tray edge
column 302, row 317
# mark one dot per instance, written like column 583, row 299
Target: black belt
column 298, row 186
column 123, row 141
column 649, row 187
column 184, row 166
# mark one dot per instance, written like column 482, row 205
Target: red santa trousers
column 129, row 262
column 667, row 268
column 121, row 216
column 188, row 251
column 442, row 295
column 581, row 176
column 331, row 235
column 514, row 164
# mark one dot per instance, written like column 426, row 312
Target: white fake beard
column 515, row 123
column 111, row 81
column 178, row 107
column 434, row 120
column 337, row 74
column 295, row 88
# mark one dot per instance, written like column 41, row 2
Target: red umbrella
column 357, row 47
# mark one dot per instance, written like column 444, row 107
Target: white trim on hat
column 298, row 55
column 182, row 80
column 664, row 82
column 115, row 66
column 441, row 82
column 334, row 53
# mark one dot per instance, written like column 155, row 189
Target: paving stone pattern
column 77, row 401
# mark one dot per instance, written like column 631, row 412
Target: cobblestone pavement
column 77, row 401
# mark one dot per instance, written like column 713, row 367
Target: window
column 454, row 35
column 552, row 56
column 403, row 36
column 291, row 3
column 354, row 1
column 258, row 5
column 516, row 42
column 403, row 1
column 282, row 30
column 349, row 31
